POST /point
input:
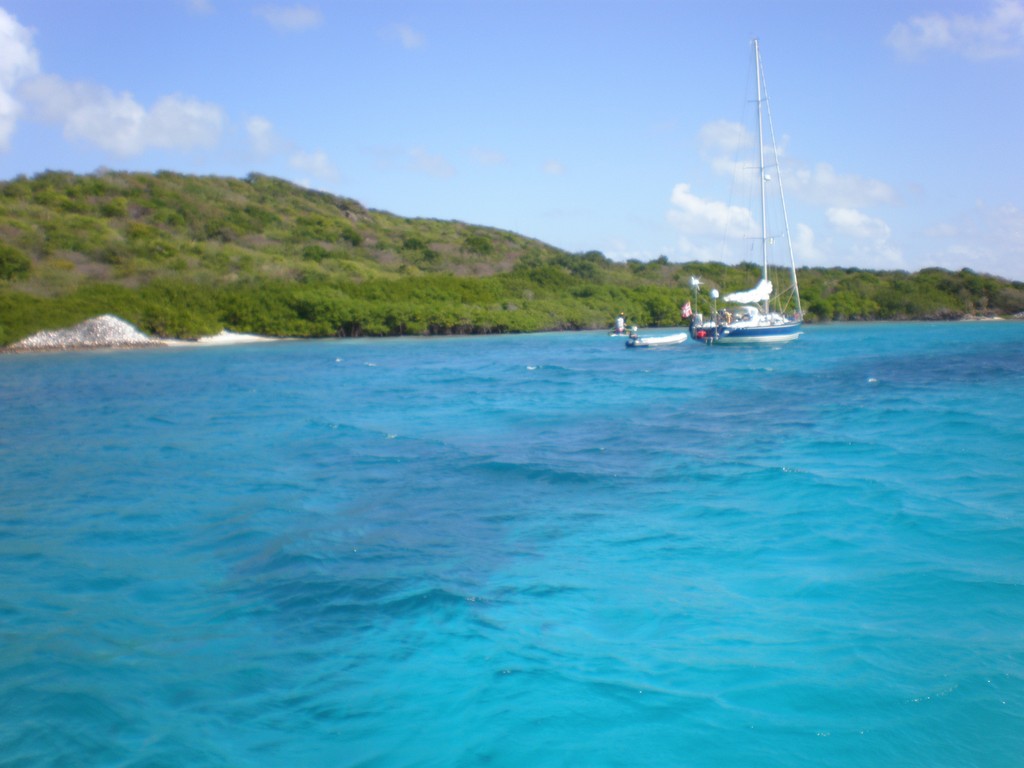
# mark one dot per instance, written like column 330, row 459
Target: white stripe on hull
column 757, row 338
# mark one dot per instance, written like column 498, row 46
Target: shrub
column 116, row 207
column 13, row 263
column 315, row 253
column 478, row 244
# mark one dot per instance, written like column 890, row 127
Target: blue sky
column 588, row 124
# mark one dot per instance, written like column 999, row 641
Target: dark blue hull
column 779, row 333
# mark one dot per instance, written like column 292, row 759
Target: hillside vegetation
column 186, row 256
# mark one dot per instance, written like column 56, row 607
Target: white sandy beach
column 221, row 339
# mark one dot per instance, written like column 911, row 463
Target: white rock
column 102, row 331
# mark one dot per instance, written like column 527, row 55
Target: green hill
column 185, row 256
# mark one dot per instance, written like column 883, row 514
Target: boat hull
column 641, row 342
column 780, row 333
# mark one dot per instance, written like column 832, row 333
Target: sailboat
column 763, row 314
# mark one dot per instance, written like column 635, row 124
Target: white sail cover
column 760, row 292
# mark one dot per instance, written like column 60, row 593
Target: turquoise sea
column 538, row 550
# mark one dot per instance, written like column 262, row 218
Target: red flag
column 685, row 311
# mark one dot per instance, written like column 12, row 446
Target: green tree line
column 185, row 256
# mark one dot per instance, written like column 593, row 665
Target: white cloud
column 805, row 248
column 723, row 137
column 860, row 239
column 407, row 36
column 554, row 168
column 853, row 238
column 987, row 240
column 290, row 18
column 18, row 60
column 92, row 113
column 203, row 7
column 622, row 249
column 417, row 160
column 999, row 34
column 881, row 255
column 261, row 134
column 853, row 223
column 432, row 165
column 824, row 186
column 488, row 157
column 316, row 164
column 693, row 216
column 178, row 123
column 723, row 145
column 118, row 123
column 848, row 248
column 316, row 168
column 702, row 226
column 943, row 230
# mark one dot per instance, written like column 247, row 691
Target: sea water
column 538, row 550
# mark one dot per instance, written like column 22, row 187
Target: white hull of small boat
column 641, row 342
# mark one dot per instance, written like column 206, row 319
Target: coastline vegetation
column 186, row 256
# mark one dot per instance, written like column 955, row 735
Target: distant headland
column 183, row 257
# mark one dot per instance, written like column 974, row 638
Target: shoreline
column 222, row 339
column 111, row 332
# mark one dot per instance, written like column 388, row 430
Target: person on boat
column 620, row 323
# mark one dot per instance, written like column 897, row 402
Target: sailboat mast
column 762, row 101
column 760, row 155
